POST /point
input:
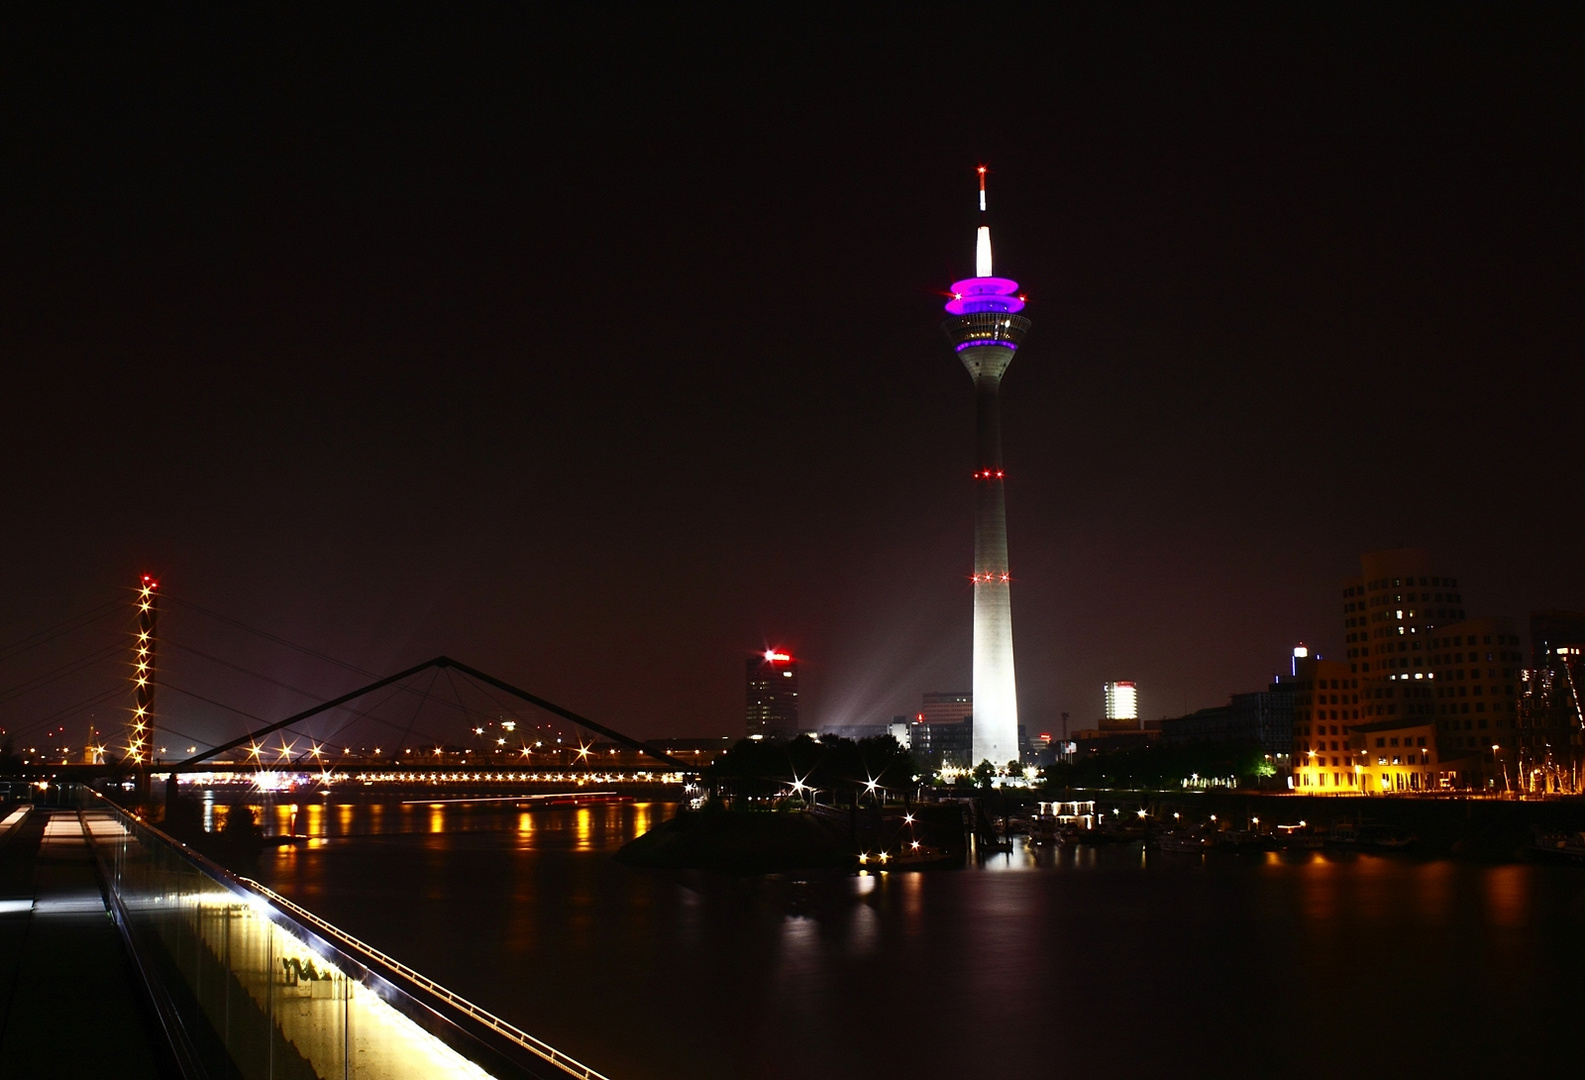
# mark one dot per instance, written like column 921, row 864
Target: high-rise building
column 944, row 744
column 1389, row 613
column 772, row 696
column 946, row 707
column 943, row 728
column 1551, row 725
column 1260, row 718
column 1326, row 705
column 1122, row 706
column 1552, row 632
column 1477, row 669
column 985, row 330
column 1413, row 646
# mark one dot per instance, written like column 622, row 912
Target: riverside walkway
column 124, row 953
column 70, row 1003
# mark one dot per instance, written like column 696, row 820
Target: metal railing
column 249, row 984
column 516, row 1035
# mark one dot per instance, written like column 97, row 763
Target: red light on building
column 776, row 657
column 1045, row 736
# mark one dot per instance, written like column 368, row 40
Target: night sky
column 599, row 353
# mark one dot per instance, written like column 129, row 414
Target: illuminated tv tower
column 140, row 742
column 986, row 330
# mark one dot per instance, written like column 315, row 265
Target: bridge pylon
column 140, row 733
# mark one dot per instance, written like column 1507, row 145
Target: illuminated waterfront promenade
column 243, row 980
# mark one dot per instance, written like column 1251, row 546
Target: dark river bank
column 1079, row 962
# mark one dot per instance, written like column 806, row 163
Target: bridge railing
column 248, row 984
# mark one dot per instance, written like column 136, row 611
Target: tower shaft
column 995, row 687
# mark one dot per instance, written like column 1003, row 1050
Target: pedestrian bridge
column 246, row 983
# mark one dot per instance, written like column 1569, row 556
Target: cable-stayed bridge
column 157, row 700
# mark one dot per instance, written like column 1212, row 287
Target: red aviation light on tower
column 774, row 657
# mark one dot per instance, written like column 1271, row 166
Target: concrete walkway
column 70, row 1003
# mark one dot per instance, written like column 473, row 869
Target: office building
column 1263, row 718
column 1122, row 707
column 942, row 732
column 1398, row 756
column 945, row 707
column 1399, row 605
column 1554, row 634
column 1326, row 705
column 1477, row 676
column 772, row 691
column 1551, row 726
column 945, row 744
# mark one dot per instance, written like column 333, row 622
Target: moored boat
column 1558, row 847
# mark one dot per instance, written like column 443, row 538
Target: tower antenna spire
column 982, row 239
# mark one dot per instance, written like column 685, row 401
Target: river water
column 1085, row 962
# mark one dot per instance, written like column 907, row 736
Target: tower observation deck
column 985, row 330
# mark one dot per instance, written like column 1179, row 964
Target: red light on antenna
column 982, row 169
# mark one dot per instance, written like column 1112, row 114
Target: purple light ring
column 985, row 286
column 970, row 305
column 977, row 343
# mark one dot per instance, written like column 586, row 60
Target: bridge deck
column 70, row 1004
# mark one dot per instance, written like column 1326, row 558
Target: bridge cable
column 312, row 695
column 252, row 716
column 567, row 714
column 272, row 637
column 69, row 710
column 307, row 651
column 411, row 720
column 370, row 715
column 473, row 673
column 504, row 707
column 71, row 667
column 486, row 693
column 315, row 711
column 20, row 646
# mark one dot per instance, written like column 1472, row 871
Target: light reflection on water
column 1058, row 962
column 1508, row 895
